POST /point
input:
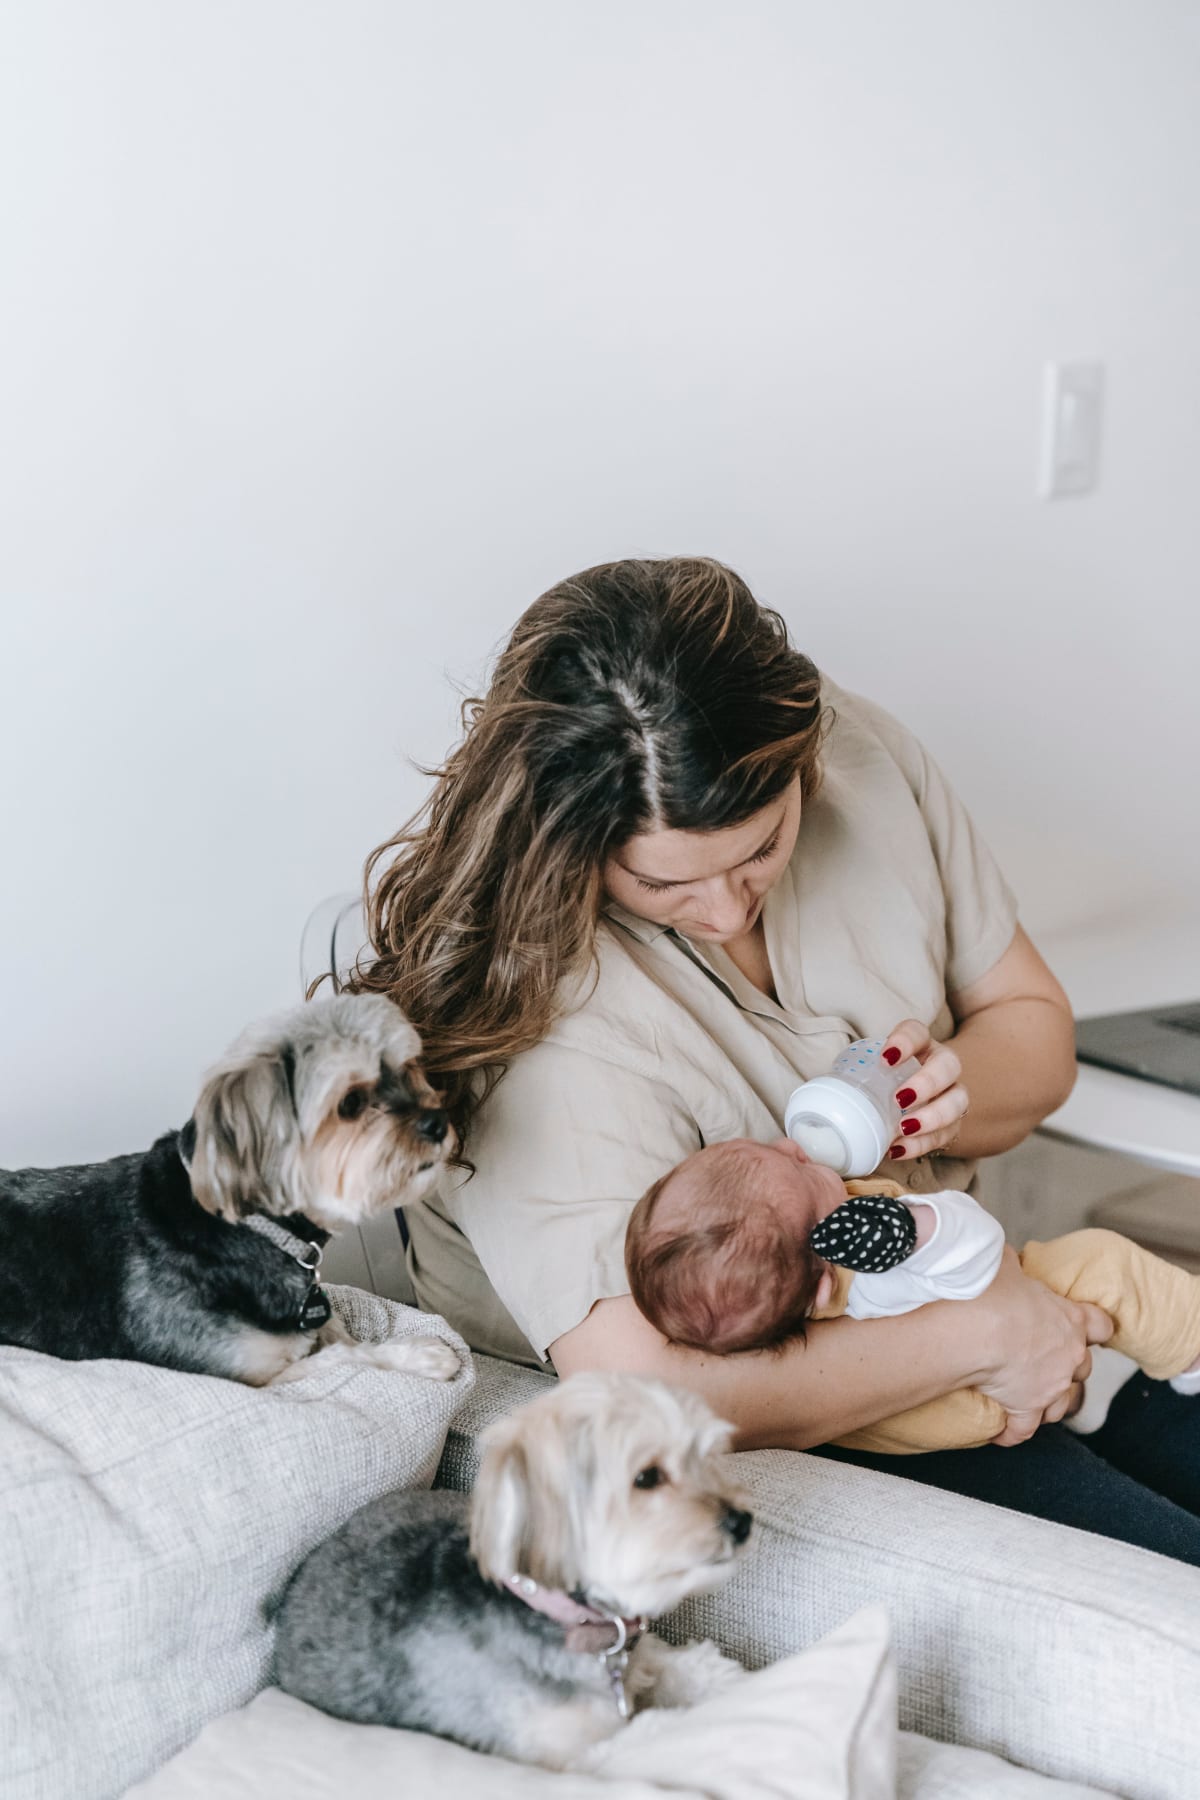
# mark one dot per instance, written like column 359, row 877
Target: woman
column 669, row 872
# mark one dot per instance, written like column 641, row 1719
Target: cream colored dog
column 515, row 1620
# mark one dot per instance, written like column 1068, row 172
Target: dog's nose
column 737, row 1523
column 432, row 1125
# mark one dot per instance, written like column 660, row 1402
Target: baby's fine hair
column 735, row 1277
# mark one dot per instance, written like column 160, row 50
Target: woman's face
column 706, row 884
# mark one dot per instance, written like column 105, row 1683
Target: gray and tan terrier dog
column 202, row 1253
column 515, row 1620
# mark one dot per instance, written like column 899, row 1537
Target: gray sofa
column 1065, row 1652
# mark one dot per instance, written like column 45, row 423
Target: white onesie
column 960, row 1260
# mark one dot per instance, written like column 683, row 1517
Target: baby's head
column 717, row 1251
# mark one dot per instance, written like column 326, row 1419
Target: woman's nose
column 725, row 909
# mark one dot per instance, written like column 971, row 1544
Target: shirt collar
column 644, row 930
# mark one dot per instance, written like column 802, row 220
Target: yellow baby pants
column 1154, row 1306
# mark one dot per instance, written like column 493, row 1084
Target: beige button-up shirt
column 890, row 903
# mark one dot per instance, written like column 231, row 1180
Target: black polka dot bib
column 868, row 1234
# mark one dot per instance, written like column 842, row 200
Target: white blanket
column 820, row 1725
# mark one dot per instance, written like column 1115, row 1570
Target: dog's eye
column 649, row 1478
column 352, row 1104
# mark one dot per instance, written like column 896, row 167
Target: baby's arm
column 926, row 1220
column 959, row 1247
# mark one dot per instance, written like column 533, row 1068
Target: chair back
column 333, row 938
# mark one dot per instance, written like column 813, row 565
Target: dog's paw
column 430, row 1357
column 295, row 1371
column 683, row 1676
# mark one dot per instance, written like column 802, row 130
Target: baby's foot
column 1110, row 1371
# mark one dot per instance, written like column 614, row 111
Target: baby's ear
column 824, row 1291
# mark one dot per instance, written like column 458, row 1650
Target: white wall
column 331, row 334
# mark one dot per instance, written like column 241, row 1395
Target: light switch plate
column 1072, row 415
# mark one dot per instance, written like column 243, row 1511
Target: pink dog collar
column 585, row 1628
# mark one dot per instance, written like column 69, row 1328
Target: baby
column 743, row 1243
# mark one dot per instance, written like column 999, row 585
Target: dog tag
column 316, row 1310
column 618, row 1662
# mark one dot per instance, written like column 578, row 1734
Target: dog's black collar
column 301, row 1250
column 315, row 1308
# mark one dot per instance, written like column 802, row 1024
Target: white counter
column 1124, row 966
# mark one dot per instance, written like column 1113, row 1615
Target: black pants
column 1137, row 1479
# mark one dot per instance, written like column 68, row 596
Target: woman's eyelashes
column 664, row 887
column 767, row 850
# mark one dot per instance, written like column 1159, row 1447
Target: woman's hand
column 1036, row 1348
column 1015, row 1040
column 934, row 1101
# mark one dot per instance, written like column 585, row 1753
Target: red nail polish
column 905, row 1097
column 910, row 1127
column 891, row 1056
column 896, row 1150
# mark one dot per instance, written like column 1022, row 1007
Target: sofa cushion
column 146, row 1516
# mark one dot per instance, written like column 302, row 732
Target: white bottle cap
column 837, row 1125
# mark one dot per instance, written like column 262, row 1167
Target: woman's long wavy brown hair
column 635, row 696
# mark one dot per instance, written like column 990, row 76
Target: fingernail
column 896, row 1150
column 910, row 1127
column 891, row 1055
column 905, row 1097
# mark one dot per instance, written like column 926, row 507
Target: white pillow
column 817, row 1726
column 929, row 1771
column 145, row 1516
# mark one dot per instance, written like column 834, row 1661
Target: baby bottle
column 848, row 1118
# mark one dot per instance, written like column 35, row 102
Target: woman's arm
column 1012, row 1055
column 1016, row 1043
column 851, row 1373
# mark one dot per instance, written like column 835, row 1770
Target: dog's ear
column 524, row 1506
column 716, row 1437
column 710, row 1435
column 246, row 1138
column 500, row 1512
column 187, row 1142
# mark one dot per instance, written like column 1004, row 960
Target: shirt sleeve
column 981, row 909
column 959, row 1261
column 563, row 1149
